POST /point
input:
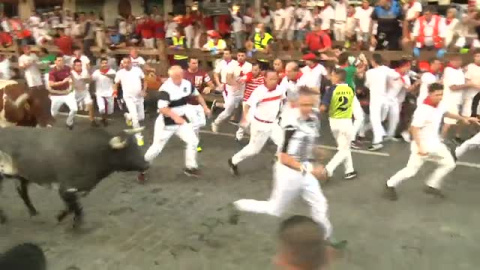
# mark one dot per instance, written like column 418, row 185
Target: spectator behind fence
column 468, row 36
column 304, row 20
column 452, row 25
column 387, row 15
column 5, row 72
column 429, row 33
column 327, row 15
column 64, row 43
column 363, row 15
column 6, row 39
column 23, row 257
column 317, row 41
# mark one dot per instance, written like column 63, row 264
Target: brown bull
column 22, row 106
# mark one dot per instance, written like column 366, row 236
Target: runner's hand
column 320, row 173
column 207, row 90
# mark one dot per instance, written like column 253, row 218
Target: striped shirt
column 300, row 136
column 251, row 83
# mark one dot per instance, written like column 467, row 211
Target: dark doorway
column 179, row 7
column 124, row 8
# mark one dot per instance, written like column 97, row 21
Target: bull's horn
column 117, row 143
column 134, row 130
column 21, row 100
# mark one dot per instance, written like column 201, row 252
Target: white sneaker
column 406, row 136
column 128, row 119
column 214, row 127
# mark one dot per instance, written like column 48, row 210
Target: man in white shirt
column 266, row 101
column 327, row 15
column 278, row 20
column 472, row 75
column 340, row 18
column 313, row 71
column 289, row 26
column 363, row 15
column 376, row 80
column 173, row 108
column 428, row 144
column 137, row 61
column 224, row 78
column 291, row 82
column 134, row 90
column 78, row 55
column 28, row 62
column 103, row 78
column 428, row 78
column 5, row 72
column 453, row 95
column 429, row 32
column 304, row 20
column 81, row 79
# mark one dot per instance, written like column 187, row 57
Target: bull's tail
column 21, row 100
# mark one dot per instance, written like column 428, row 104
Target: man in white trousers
column 134, row 89
column 294, row 174
column 376, row 80
column 472, row 143
column 173, row 108
column 293, row 79
column 265, row 102
column 338, row 100
column 81, row 81
column 103, row 78
column 224, row 77
column 61, row 90
column 427, row 143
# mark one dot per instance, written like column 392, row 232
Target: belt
column 340, row 22
column 262, row 121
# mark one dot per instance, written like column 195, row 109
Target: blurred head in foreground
column 23, row 257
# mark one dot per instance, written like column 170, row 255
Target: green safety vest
column 341, row 104
column 262, row 43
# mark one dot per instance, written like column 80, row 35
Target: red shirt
column 187, row 20
column 146, row 29
column 209, row 23
column 64, row 44
column 6, row 39
column 251, row 83
column 159, row 29
column 198, row 79
column 58, row 75
column 318, row 40
column 223, row 24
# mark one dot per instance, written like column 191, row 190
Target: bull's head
column 128, row 156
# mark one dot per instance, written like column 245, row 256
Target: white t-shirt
column 364, row 17
column 306, row 18
column 314, row 75
column 32, row 74
column 340, row 14
column 241, row 71
column 169, row 92
column 472, row 74
column 84, row 59
column 223, row 68
column 103, row 84
column 452, row 76
column 79, row 85
column 289, row 18
column 291, row 87
column 169, row 28
column 429, row 119
column 237, row 24
column 5, row 73
column 327, row 15
column 131, row 81
column 266, row 103
column 278, row 16
column 376, row 80
column 411, row 11
column 397, row 87
column 426, row 79
column 137, row 62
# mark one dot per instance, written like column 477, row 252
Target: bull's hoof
column 62, row 215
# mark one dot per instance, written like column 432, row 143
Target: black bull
column 76, row 161
column 30, row 110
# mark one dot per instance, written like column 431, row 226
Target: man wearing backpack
column 318, row 40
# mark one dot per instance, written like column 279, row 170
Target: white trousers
column 189, row 35
column 259, row 134
column 359, row 116
column 439, row 153
column 393, row 109
column 196, row 116
column 472, row 143
column 105, row 104
column 339, row 31
column 231, row 103
column 240, row 131
column 289, row 184
column 136, row 111
column 163, row 133
column 342, row 130
column 69, row 100
column 149, row 43
column 376, row 109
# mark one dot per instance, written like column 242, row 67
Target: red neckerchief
column 270, row 89
column 450, row 66
column 428, row 102
column 228, row 62
column 299, row 74
column 104, row 71
column 411, row 3
column 344, row 66
column 314, row 66
column 448, row 21
column 241, row 65
column 401, row 75
column 351, row 15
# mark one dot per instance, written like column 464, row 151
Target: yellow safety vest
column 262, row 43
column 179, row 42
column 221, row 43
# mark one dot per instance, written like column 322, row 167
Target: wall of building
column 110, row 10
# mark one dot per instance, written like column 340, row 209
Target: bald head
column 176, row 74
column 291, row 70
column 133, row 53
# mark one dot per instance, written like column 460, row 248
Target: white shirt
column 472, row 74
column 452, row 76
column 84, row 59
column 223, row 68
column 306, row 18
column 103, row 84
column 314, row 75
column 376, row 80
column 278, row 16
column 5, row 73
column 169, row 92
column 426, row 79
column 137, row 62
column 428, row 30
column 327, row 15
column 291, row 87
column 32, row 73
column 412, row 11
column 241, row 71
column 131, row 81
column 170, row 27
column 79, row 85
column 429, row 119
column 289, row 18
column 266, row 103
column 237, row 24
column 397, row 87
column 340, row 14
column 364, row 17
